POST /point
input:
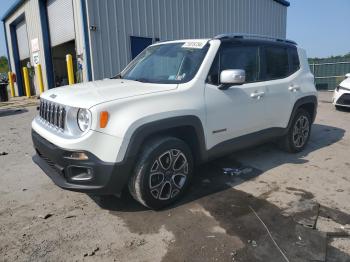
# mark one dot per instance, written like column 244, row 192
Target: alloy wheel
column 168, row 174
column 301, row 131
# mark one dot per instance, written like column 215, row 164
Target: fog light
column 80, row 173
column 77, row 156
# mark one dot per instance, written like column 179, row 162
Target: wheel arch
column 309, row 103
column 187, row 128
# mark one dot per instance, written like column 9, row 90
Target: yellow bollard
column 26, row 81
column 70, row 70
column 40, row 78
column 12, row 86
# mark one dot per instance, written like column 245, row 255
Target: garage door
column 61, row 21
column 22, row 40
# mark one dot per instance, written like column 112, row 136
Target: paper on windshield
column 195, row 45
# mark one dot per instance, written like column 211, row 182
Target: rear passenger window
column 294, row 60
column 241, row 57
column 276, row 63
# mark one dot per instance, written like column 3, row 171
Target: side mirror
column 347, row 75
column 231, row 77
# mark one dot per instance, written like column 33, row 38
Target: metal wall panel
column 80, row 37
column 117, row 20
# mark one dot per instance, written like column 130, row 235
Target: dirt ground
column 279, row 207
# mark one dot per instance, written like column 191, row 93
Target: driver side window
column 235, row 57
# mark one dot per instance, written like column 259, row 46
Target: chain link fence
column 329, row 72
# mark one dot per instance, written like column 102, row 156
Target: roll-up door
column 22, row 40
column 61, row 21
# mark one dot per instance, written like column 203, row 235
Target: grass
column 3, row 65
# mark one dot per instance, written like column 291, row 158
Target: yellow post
column 12, row 86
column 70, row 70
column 26, row 81
column 40, row 78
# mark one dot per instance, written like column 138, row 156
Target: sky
column 5, row 5
column 322, row 27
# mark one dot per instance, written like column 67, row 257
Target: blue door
column 138, row 44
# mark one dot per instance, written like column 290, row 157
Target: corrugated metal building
column 103, row 36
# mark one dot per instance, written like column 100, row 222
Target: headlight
column 342, row 88
column 84, row 119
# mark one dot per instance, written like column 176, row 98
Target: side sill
column 245, row 141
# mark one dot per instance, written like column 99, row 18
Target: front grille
column 344, row 100
column 53, row 113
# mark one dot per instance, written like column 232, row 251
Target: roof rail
column 253, row 36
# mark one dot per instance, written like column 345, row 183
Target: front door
column 240, row 109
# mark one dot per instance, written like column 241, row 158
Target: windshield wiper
column 142, row 80
column 118, row 76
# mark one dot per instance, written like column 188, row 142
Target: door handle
column 294, row 88
column 257, row 95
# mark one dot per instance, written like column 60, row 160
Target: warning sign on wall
column 35, row 45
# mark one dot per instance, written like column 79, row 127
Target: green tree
column 4, row 68
column 320, row 60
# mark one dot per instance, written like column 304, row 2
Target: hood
column 87, row 95
column 346, row 83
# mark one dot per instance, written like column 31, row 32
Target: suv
column 176, row 105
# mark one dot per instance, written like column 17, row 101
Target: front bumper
column 106, row 178
column 341, row 98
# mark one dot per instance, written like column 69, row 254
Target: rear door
column 279, row 73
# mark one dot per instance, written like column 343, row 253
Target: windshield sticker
column 178, row 77
column 195, row 45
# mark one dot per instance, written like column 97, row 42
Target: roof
column 283, row 2
column 238, row 36
column 18, row 3
column 12, row 9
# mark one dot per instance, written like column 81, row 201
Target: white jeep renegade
column 177, row 105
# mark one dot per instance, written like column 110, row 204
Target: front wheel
column 162, row 173
column 299, row 133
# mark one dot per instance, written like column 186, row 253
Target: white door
column 22, row 40
column 61, row 21
column 282, row 85
column 239, row 110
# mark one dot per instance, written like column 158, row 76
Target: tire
column 163, row 172
column 299, row 132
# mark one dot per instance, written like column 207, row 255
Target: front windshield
column 167, row 64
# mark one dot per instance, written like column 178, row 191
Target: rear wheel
column 163, row 172
column 299, row 133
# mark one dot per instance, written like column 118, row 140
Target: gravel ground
column 282, row 207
